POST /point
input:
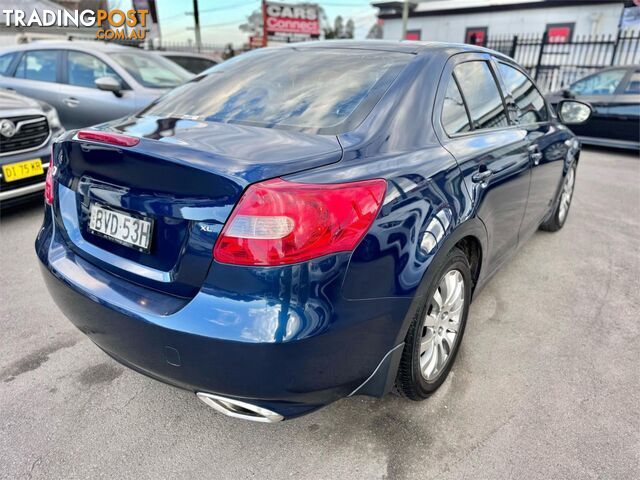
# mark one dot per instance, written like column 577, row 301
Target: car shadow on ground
column 595, row 149
column 26, row 207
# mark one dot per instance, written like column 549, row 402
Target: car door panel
column 83, row 107
column 500, row 197
column 494, row 162
column 600, row 124
column 624, row 112
column 548, row 152
column 82, row 103
column 28, row 82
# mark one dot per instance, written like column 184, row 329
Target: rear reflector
column 108, row 137
column 48, row 183
column 278, row 222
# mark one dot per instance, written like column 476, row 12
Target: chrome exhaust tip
column 237, row 409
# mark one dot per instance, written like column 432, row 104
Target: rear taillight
column 48, row 183
column 108, row 137
column 278, row 222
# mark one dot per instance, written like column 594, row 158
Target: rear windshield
column 326, row 91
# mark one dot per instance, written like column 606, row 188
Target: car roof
column 183, row 54
column 74, row 45
column 402, row 46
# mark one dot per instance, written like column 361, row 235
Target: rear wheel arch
column 472, row 248
column 472, row 235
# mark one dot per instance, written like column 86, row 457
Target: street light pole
column 196, row 19
column 405, row 17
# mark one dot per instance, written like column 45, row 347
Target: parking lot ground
column 546, row 385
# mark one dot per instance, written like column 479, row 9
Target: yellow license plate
column 20, row 170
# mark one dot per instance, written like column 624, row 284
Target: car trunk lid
column 185, row 176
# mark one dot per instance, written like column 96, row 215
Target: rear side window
column 481, row 95
column 192, row 64
column 38, row 65
column 5, row 61
column 529, row 104
column 322, row 90
column 454, row 114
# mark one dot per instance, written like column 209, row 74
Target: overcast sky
column 219, row 19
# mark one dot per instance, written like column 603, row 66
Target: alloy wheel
column 441, row 326
column 567, row 192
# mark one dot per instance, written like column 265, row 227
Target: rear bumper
column 224, row 346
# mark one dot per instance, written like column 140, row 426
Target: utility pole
column 405, row 17
column 264, row 23
column 196, row 19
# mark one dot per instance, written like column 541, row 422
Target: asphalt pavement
column 546, row 386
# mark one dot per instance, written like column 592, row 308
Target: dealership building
column 473, row 21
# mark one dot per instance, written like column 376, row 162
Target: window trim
column 64, row 80
column 452, row 76
column 473, row 130
column 58, row 70
column 544, row 100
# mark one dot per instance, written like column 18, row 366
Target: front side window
column 83, row 70
column 604, row 83
column 5, row 61
column 454, row 114
column 38, row 65
column 152, row 71
column 529, row 104
column 481, row 94
column 324, row 90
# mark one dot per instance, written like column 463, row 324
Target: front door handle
column 71, row 102
column 535, row 154
column 481, row 176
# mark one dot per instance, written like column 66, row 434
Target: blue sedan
column 305, row 223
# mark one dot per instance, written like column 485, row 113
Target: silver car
column 27, row 128
column 88, row 82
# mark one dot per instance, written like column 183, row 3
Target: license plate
column 20, row 170
column 124, row 228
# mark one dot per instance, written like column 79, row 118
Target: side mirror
column 109, row 84
column 573, row 112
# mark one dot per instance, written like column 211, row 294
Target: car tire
column 559, row 216
column 443, row 312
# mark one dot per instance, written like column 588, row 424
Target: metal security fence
column 556, row 65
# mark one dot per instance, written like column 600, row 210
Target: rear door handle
column 481, row 176
column 71, row 102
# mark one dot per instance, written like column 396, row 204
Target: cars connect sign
column 301, row 19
